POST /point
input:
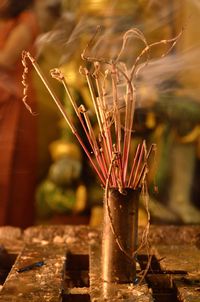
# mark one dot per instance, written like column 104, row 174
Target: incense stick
column 112, row 145
column 61, row 108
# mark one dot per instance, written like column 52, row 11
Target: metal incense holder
column 120, row 232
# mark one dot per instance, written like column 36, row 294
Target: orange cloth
column 18, row 148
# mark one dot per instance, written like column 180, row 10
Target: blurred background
column 167, row 111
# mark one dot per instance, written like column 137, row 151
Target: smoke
column 157, row 20
column 71, row 27
column 174, row 66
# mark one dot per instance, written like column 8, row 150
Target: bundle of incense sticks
column 113, row 95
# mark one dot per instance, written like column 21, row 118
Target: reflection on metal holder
column 119, row 242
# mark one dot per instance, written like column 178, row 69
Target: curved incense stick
column 61, row 108
column 113, row 95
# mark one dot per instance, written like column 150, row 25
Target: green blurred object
column 53, row 199
column 62, row 192
column 65, row 171
column 179, row 111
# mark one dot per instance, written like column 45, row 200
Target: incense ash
column 113, row 94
